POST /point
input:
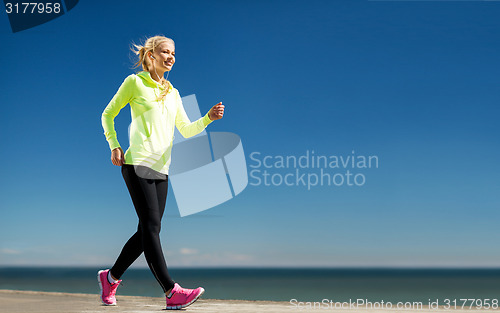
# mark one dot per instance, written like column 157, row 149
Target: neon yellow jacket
column 151, row 132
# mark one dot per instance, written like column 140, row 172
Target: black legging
column 149, row 197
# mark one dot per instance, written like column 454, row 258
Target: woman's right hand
column 117, row 156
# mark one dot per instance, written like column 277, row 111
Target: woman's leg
column 130, row 252
column 149, row 198
column 133, row 248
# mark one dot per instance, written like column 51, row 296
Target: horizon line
column 385, row 267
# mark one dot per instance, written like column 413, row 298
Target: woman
column 156, row 107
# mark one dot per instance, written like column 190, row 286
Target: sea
column 278, row 284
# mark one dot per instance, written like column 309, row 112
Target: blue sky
column 414, row 83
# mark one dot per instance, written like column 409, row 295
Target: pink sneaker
column 108, row 290
column 182, row 297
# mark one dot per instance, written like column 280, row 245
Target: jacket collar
column 145, row 75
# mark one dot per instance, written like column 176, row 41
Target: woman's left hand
column 216, row 112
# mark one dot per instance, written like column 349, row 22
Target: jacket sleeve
column 184, row 125
column 120, row 100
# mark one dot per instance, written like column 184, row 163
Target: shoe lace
column 114, row 287
column 184, row 291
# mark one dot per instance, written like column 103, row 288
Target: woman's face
column 164, row 55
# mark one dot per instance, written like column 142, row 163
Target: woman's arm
column 188, row 128
column 120, row 100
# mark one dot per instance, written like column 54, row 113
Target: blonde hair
column 150, row 45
